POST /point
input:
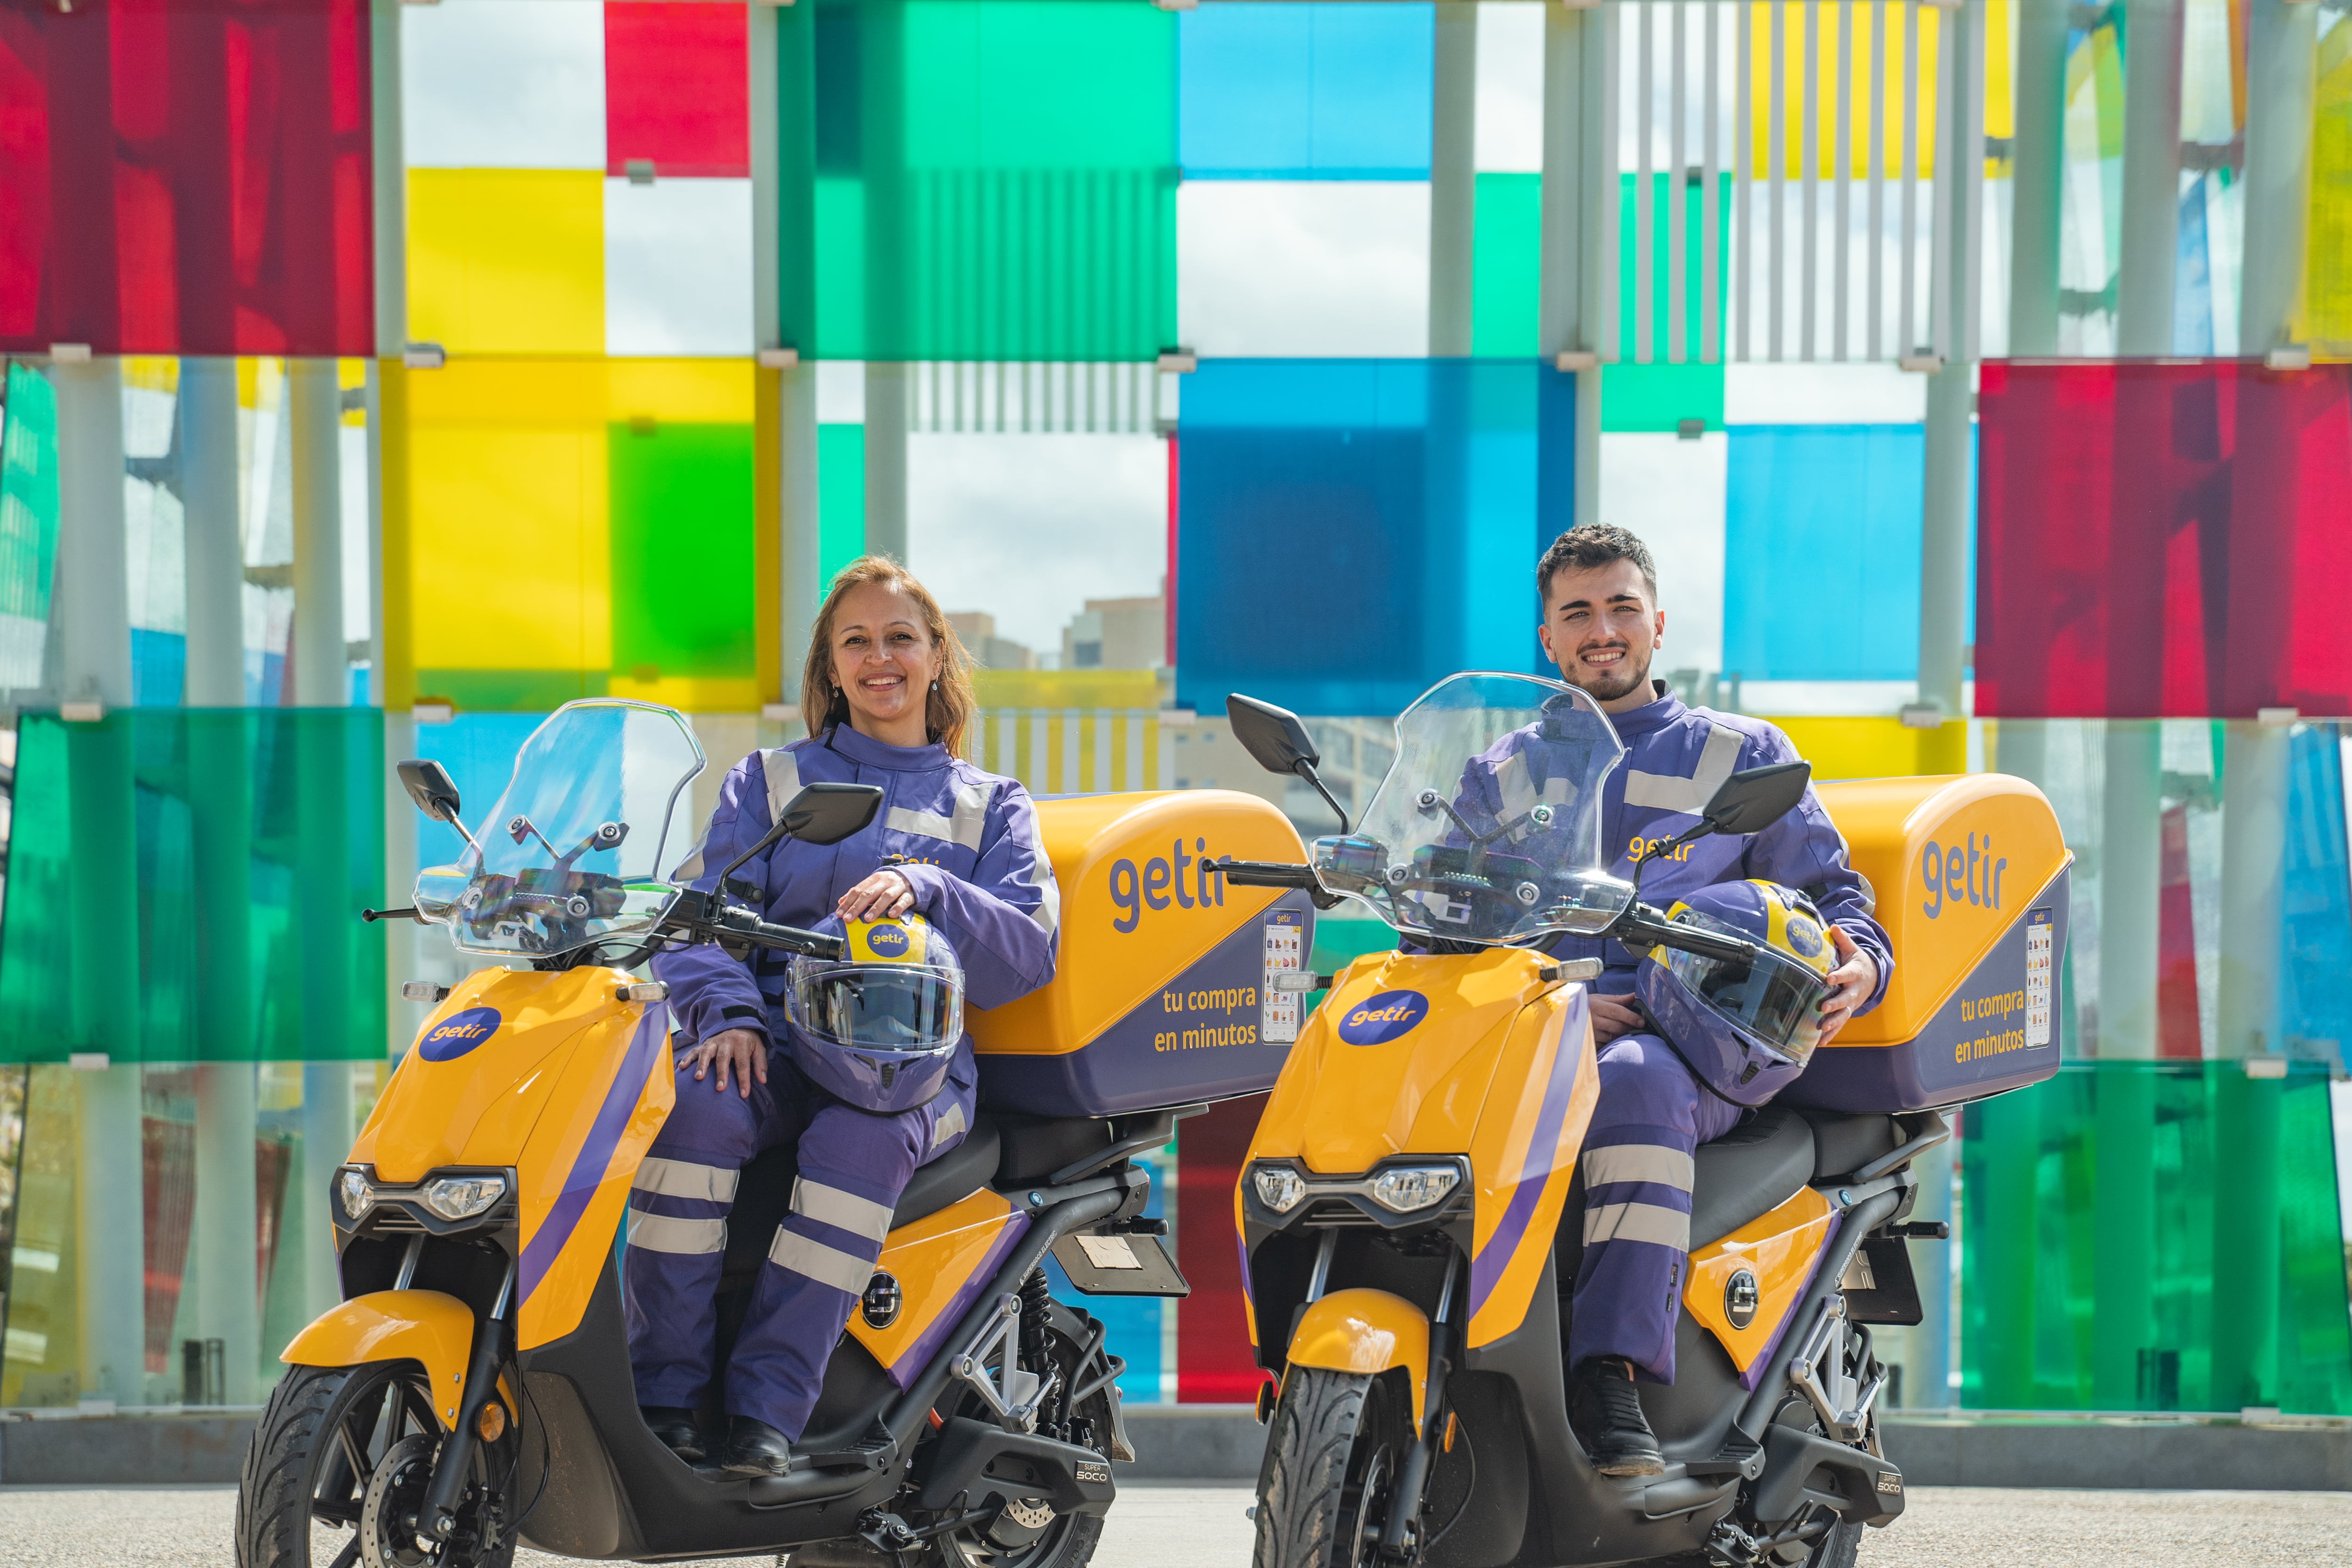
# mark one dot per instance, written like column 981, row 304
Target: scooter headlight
column 463, row 1197
column 357, row 1192
column 1405, row 1189
column 1279, row 1188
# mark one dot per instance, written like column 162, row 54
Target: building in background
column 976, row 630
column 1117, row 634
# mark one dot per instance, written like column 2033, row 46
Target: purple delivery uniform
column 1653, row 1113
column 967, row 842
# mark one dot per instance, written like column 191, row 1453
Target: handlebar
column 742, row 925
column 1643, row 925
column 1277, row 873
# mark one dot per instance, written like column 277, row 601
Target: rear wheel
column 337, row 1469
column 1332, row 1459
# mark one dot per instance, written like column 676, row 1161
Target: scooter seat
column 1748, row 1172
column 953, row 1176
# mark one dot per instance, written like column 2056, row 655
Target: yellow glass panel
column 507, row 261
column 1825, row 52
column 508, row 519
column 2327, row 291
column 1875, row 747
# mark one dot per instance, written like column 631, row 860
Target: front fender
column 1369, row 1331
column 424, row 1326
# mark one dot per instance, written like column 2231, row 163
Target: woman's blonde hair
column 948, row 706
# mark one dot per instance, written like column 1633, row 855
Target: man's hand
column 1855, row 977
column 1614, row 1016
column 740, row 1050
column 884, row 896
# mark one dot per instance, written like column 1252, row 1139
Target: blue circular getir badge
column 1380, row 1018
column 458, row 1033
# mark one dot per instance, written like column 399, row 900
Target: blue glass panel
column 1349, row 531
column 2316, row 925
column 1313, row 91
column 1822, row 552
column 159, row 663
column 479, row 749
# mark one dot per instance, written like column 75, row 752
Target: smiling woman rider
column 887, row 697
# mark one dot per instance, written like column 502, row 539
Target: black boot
column 677, row 1430
column 756, row 1448
column 1605, row 1413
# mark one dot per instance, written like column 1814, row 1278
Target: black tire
column 299, row 1500
column 1336, row 1440
column 1837, row 1548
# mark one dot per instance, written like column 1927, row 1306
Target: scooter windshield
column 573, row 852
column 1487, row 827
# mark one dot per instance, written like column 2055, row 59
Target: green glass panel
column 184, row 885
column 1505, row 266
column 508, row 691
column 978, row 179
column 2155, row 1235
column 840, row 497
column 1658, row 396
column 28, row 523
column 682, row 509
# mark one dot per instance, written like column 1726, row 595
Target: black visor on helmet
column 1774, row 997
column 876, row 1006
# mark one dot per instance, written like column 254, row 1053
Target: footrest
column 872, row 1451
column 1738, row 1456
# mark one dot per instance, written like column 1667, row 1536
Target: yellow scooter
column 473, row 1391
column 1410, row 1207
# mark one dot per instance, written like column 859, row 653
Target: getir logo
column 458, row 1033
column 1378, row 1020
column 886, row 941
column 1961, row 872
column 1194, row 881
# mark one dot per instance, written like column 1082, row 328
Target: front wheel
column 1332, row 1459
column 337, row 1469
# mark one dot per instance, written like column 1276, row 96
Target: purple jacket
column 1676, row 759
column 966, row 840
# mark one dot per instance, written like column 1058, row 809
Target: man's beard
column 1610, row 684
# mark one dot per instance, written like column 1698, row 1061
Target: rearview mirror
column 828, row 813
column 428, row 785
column 1272, row 735
column 1755, row 797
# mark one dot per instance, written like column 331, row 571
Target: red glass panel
column 2163, row 540
column 1214, row 1363
column 186, row 177
column 676, row 88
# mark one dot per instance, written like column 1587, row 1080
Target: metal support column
column 2131, row 859
column 2151, row 215
column 890, row 393
column 1575, row 187
column 225, row 1242
column 91, row 606
column 2037, row 163
column 321, row 681
column 1452, row 178
column 784, row 162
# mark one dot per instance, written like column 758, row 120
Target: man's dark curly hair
column 1589, row 545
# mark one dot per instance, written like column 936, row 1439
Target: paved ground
column 1203, row 1527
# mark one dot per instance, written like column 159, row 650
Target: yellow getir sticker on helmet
column 903, row 940
column 1793, row 930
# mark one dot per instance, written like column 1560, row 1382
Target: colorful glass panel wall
column 581, row 529
column 186, row 179
column 980, row 180
column 2163, row 540
column 28, row 523
column 2142, row 1236
column 676, row 88
column 1348, row 530
column 253, row 838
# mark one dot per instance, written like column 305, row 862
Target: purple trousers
column 854, row 1165
column 1650, row 1121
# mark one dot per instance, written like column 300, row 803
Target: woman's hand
column 1615, row 1015
column 741, row 1050
column 884, row 896
column 1855, row 977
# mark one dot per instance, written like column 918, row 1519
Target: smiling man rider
column 1601, row 625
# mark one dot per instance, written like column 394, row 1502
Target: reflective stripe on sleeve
column 684, row 1178
column 1638, row 1162
column 1637, row 1222
column 796, row 1254
column 1666, row 792
column 948, row 1124
column 964, row 828
column 1048, row 914
column 842, row 1210
column 666, row 1233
